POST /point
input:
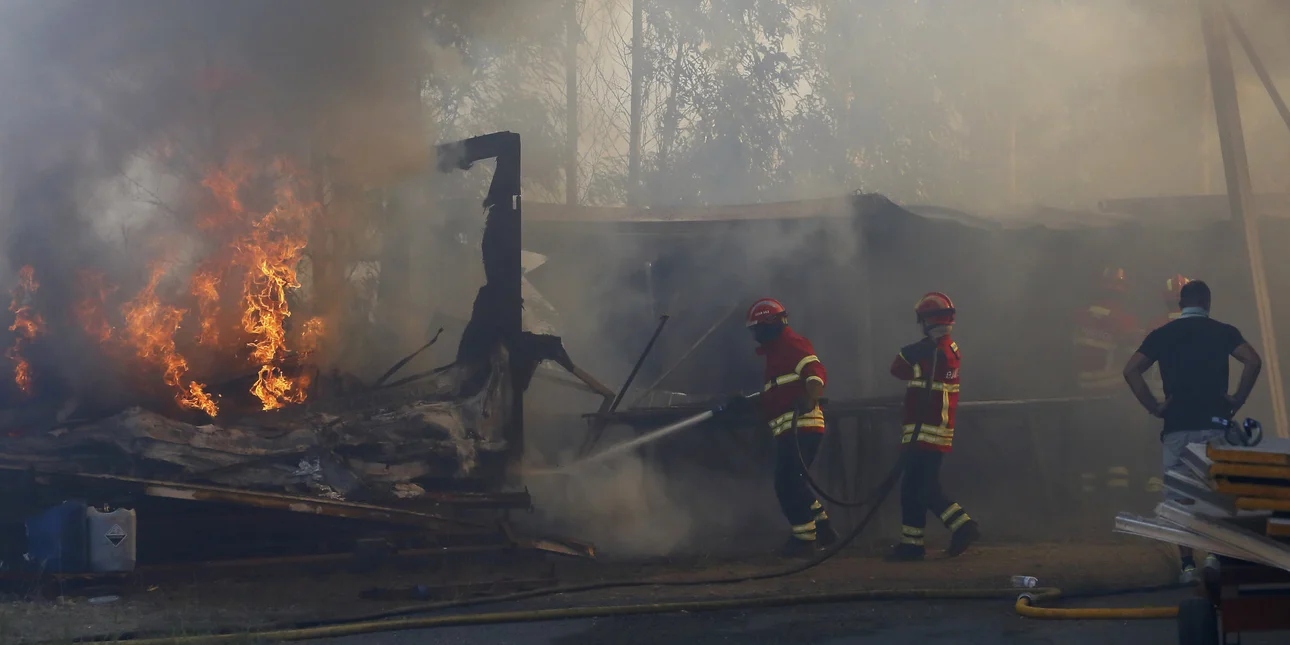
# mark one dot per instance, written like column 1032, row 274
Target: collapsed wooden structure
column 428, row 456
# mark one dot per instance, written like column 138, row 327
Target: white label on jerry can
column 115, row 535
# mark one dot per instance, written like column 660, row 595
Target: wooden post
column 638, row 72
column 1240, row 192
column 1206, row 144
column 571, row 38
column 1257, row 63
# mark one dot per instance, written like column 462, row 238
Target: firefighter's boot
column 825, row 536
column 797, row 548
column 963, row 538
column 905, row 552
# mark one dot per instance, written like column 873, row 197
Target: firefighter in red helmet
column 1106, row 333
column 930, row 368
column 790, row 402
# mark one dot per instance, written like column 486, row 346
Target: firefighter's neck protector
column 936, row 331
column 766, row 332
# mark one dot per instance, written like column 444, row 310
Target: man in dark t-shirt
column 1192, row 351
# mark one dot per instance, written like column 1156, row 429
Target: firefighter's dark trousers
column 796, row 498
column 920, row 492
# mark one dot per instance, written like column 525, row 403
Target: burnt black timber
column 497, row 314
column 276, row 501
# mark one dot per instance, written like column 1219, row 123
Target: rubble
column 372, row 446
column 1235, row 500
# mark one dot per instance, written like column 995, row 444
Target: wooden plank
column 278, row 501
column 1182, row 483
column 1251, row 489
column 1278, row 527
column 1195, row 459
column 1219, row 469
column 1273, row 451
column 1262, row 504
column 1255, row 542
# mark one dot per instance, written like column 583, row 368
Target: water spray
column 644, row 439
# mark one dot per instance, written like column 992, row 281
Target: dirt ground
column 245, row 603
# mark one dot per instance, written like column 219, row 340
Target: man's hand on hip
column 1236, row 402
column 1158, row 410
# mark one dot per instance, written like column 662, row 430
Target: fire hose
column 400, row 620
column 1025, row 606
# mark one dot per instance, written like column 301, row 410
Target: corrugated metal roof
column 1187, row 212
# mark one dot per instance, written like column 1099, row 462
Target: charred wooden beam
column 277, row 501
column 497, row 315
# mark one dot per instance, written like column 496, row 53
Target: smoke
column 121, row 110
column 991, row 108
column 1058, row 103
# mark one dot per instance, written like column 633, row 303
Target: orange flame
column 269, row 253
column 90, row 309
column 150, row 328
column 311, row 334
column 27, row 324
column 252, row 268
column 205, row 285
column 223, row 184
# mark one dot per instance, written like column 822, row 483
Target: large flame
column 254, row 221
column 269, row 253
column 150, row 328
column 27, row 324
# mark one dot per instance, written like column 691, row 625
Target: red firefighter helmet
column 935, row 308
column 1114, row 280
column 766, row 310
column 1173, row 289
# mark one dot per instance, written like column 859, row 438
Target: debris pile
column 373, row 446
column 1236, row 503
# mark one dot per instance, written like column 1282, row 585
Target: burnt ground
column 247, row 602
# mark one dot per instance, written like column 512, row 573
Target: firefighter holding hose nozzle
column 931, row 369
column 790, row 402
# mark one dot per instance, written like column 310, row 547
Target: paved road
column 891, row 623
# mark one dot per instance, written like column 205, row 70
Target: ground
column 186, row 607
column 871, row 623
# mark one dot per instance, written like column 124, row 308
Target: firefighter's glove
column 735, row 404
column 803, row 405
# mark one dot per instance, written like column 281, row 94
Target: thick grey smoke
column 119, row 110
column 992, row 108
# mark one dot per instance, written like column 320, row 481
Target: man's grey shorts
column 1176, row 442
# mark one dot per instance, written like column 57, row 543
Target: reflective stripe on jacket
column 1103, row 333
column 790, row 363
column 930, row 410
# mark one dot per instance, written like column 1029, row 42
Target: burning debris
column 226, row 309
column 192, row 189
column 229, row 305
column 27, row 324
column 372, row 446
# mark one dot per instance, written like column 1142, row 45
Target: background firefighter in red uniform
column 1106, row 333
column 931, row 368
column 1172, row 294
column 795, row 381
